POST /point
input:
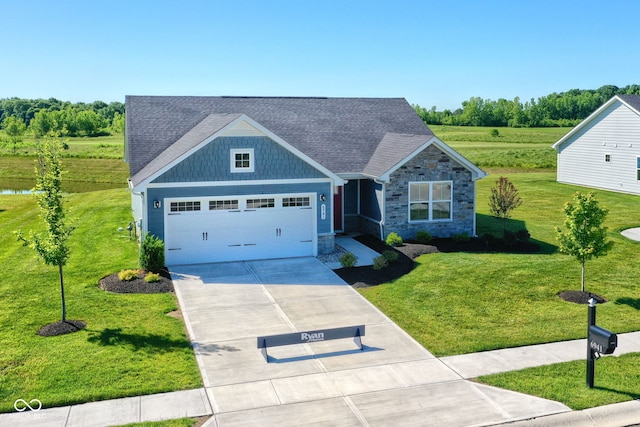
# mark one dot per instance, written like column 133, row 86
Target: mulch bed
column 61, row 328
column 580, row 297
column 112, row 283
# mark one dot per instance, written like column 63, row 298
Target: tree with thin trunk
column 51, row 246
column 503, row 200
column 585, row 237
column 15, row 129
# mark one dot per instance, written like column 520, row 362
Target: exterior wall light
column 157, row 204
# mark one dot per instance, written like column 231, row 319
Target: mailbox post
column 591, row 356
column 599, row 341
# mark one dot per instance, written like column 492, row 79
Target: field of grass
column 101, row 147
column 513, row 148
column 455, row 303
column 130, row 347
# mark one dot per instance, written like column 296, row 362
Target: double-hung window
column 430, row 201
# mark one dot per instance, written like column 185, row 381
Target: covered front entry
column 234, row 228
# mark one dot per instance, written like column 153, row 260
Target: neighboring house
column 603, row 151
column 238, row 178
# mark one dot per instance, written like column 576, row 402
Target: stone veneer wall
column 326, row 243
column 430, row 165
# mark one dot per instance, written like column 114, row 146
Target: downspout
column 383, row 210
column 138, row 222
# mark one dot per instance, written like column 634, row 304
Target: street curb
column 614, row 415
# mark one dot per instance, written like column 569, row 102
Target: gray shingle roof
column 341, row 134
column 632, row 100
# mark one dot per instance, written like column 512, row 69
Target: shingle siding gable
column 212, row 163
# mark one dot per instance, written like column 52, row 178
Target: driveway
column 394, row 381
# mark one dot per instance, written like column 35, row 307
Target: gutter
column 383, row 208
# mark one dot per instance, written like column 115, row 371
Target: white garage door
column 199, row 230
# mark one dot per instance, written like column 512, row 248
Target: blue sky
column 429, row 52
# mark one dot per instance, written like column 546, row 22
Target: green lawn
column 616, row 380
column 455, row 303
column 130, row 347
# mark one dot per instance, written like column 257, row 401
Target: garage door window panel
column 261, row 203
column 223, row 205
column 291, row 202
column 186, row 206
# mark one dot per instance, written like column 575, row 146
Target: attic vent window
column 607, row 158
column 242, row 160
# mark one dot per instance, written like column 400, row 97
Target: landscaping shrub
column 379, row 263
column 393, row 239
column 523, row 235
column 423, row 236
column 495, row 133
column 348, row 260
column 390, row 256
column 152, row 254
column 509, row 238
column 489, row 239
column 461, row 238
column 128, row 275
column 152, row 278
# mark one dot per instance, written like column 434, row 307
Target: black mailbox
column 601, row 340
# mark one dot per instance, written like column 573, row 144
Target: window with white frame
column 242, row 160
column 430, row 201
column 607, row 158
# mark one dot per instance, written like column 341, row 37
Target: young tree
column 503, row 200
column 14, row 128
column 51, row 245
column 585, row 237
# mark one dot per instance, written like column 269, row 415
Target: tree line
column 557, row 109
column 42, row 116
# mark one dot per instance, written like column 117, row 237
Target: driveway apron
column 393, row 381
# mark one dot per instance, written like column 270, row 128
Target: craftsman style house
column 238, row 178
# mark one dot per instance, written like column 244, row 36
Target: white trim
column 248, row 183
column 232, row 160
column 476, row 172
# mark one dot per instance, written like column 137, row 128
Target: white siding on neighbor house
column 616, row 132
column 137, row 206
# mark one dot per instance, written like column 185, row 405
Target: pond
column 24, row 186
